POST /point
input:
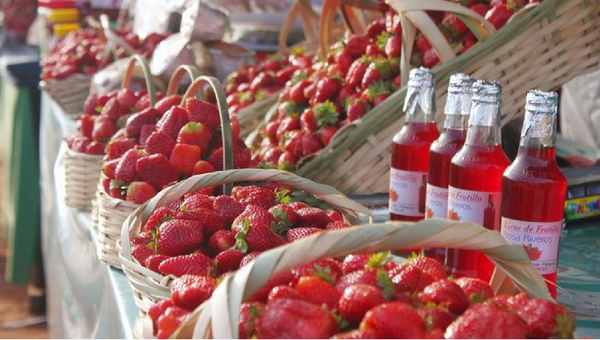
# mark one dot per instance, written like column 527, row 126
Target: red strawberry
column 284, row 292
column 498, row 15
column 356, row 45
column 158, row 217
column 356, row 110
column 177, row 237
column 203, row 112
column 344, row 60
column 327, row 89
column 295, row 319
column 480, row 8
column 136, row 121
column 435, row 317
column 410, row 279
column 335, row 225
column 170, row 321
column 355, row 262
column 228, row 260
column 326, row 133
column 422, row 43
column 358, row 334
column 475, row 289
column 334, row 215
column 486, row 321
column 203, row 167
column 327, row 269
column 211, row 220
column 289, row 123
column 308, row 122
column 196, row 134
column 184, row 157
column 109, row 167
column 194, row 264
column 116, row 148
column 254, row 195
column 430, row 58
column 298, row 233
column 172, row 122
column 429, row 266
column 95, row 148
column 318, row 291
column 189, row 291
column 357, row 300
column 156, row 170
column 453, row 26
column 220, row 241
column 249, row 312
column 375, row 28
column 228, row 208
column 248, row 258
column 285, row 215
column 159, row 309
column 547, row 320
column 364, row 276
column 447, row 294
column 167, row 103
column 313, row 217
column 160, row 143
column 125, row 170
column 356, row 73
column 394, row 320
column 372, row 75
column 262, row 80
column 256, row 237
column 85, row 124
column 141, row 252
column 310, row 144
column 104, row 128
column 91, row 104
column 393, row 46
column 196, row 200
column 140, row 192
column 112, row 110
column 297, row 91
column 145, row 133
column 126, row 99
column 143, row 102
column 153, row 261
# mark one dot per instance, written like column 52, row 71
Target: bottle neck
column 419, row 105
column 539, row 130
column 456, row 122
column 484, row 124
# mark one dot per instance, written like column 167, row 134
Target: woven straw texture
column 150, row 287
column 82, row 172
column 70, row 93
column 218, row 317
column 542, row 47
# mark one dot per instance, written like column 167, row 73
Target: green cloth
column 21, row 189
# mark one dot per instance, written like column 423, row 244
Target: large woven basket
column 150, row 287
column 543, row 47
column 82, row 172
column 218, row 317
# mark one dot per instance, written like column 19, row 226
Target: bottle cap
column 458, row 101
column 65, row 15
column 421, row 77
column 540, row 101
column 540, row 117
column 487, row 91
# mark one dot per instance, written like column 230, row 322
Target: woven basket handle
column 302, row 9
column 221, row 314
column 347, row 207
column 353, row 21
column 111, row 37
column 217, row 88
column 177, row 76
column 126, row 82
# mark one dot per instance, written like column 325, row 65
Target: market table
column 87, row 299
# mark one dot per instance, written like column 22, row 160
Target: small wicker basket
column 150, row 287
column 218, row 317
column 82, row 172
column 70, row 94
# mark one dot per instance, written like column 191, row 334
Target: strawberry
column 453, row 26
column 85, row 124
column 203, row 167
column 313, row 218
column 289, row 123
column 343, row 62
column 355, row 262
column 165, row 104
column 141, row 252
column 112, row 109
column 373, row 277
column 194, row 264
column 196, row 134
column 228, row 208
column 430, row 58
column 228, row 260
column 172, row 122
column 284, row 292
column 326, row 269
column 254, row 195
column 435, row 317
column 410, row 279
column 326, row 133
column 116, row 148
column 159, row 309
column 422, row 43
column 145, row 133
column 358, row 334
column 326, row 113
column 271, row 130
column 375, row 28
column 498, row 15
column 90, row 105
column 143, row 102
column 272, row 154
column 429, row 266
column 372, row 75
column 356, row 110
column 297, row 91
column 196, row 201
column 177, row 237
column 212, row 221
column 156, row 170
column 158, row 217
column 109, row 167
column 447, row 294
column 334, row 215
column 327, row 89
column 125, row 170
column 104, row 129
column 357, row 300
column 95, row 148
column 241, row 158
column 126, row 99
column 475, row 289
column 294, row 319
column 220, row 241
column 486, row 321
column 153, row 261
column 135, row 122
column 262, row 80
column 480, row 9
column 356, row 45
column 285, row 215
column 393, row 46
column 547, row 320
column 394, row 320
column 308, row 121
column 318, row 291
column 335, row 225
column 284, row 278
column 249, row 312
column 189, row 291
column 160, row 143
column 184, row 157
column 169, row 322
column 374, row 51
column 298, row 233
column 256, row 236
column 310, row 144
column 140, row 192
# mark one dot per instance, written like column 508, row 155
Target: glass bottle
column 476, row 178
column 410, row 147
column 458, row 106
column 536, row 222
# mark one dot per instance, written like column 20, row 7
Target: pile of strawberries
column 17, row 16
column 83, row 52
column 200, row 237
column 253, row 82
column 366, row 297
column 356, row 75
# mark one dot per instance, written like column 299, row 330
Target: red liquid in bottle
column 410, row 152
column 534, row 189
column 440, row 158
column 478, row 169
column 422, row 195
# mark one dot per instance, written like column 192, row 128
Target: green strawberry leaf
column 385, row 282
column 299, row 76
column 326, row 113
column 98, row 108
column 378, row 260
column 382, row 39
column 254, row 313
column 343, row 324
column 240, row 237
column 153, row 246
column 323, row 274
column 282, row 196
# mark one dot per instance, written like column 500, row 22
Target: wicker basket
column 150, row 287
column 70, row 94
column 543, row 47
column 218, row 317
column 82, row 172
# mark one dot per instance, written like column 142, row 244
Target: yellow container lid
column 57, row 16
column 60, row 30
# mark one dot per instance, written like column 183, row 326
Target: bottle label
column 436, row 205
column 478, row 207
column 540, row 240
column 407, row 192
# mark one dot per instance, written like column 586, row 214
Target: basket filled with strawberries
column 178, row 138
column 344, row 284
column 187, row 230
column 345, row 111
column 68, row 66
